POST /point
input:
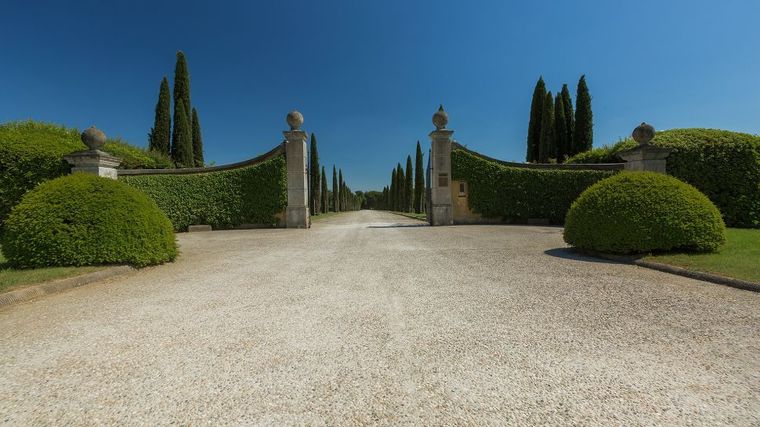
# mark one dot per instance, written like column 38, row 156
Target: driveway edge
column 55, row 286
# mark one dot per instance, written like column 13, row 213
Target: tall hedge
column 515, row 194
column 723, row 165
column 224, row 199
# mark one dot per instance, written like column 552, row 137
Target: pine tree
column 182, row 84
column 160, row 135
column 341, row 192
column 419, row 180
column 314, row 175
column 182, row 149
column 335, row 191
column 546, row 147
column 560, row 132
column 583, row 136
column 323, row 202
column 409, row 187
column 569, row 118
column 536, row 121
column 197, row 141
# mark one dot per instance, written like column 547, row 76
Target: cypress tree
column 323, row 202
column 409, row 189
column 560, row 132
column 392, row 192
column 341, row 205
column 536, row 121
column 419, row 180
column 182, row 149
column 401, row 187
column 569, row 118
column 197, row 141
column 547, row 148
column 583, row 136
column 335, row 191
column 182, row 84
column 160, row 135
column 314, row 180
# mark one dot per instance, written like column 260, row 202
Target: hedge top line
column 277, row 150
column 552, row 166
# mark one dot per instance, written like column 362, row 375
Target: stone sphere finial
column 295, row 120
column 643, row 134
column 93, row 138
column 440, row 118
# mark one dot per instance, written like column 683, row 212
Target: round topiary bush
column 83, row 219
column 634, row 212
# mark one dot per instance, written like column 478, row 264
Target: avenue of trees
column 555, row 131
column 183, row 142
column 322, row 199
column 406, row 192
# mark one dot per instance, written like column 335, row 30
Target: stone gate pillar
column 93, row 161
column 645, row 157
column 441, row 212
column 297, row 212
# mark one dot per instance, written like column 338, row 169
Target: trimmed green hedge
column 32, row 152
column 224, row 199
column 722, row 164
column 515, row 194
column 635, row 212
column 84, row 219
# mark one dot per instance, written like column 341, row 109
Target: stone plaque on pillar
column 441, row 211
column 297, row 211
column 93, row 161
column 645, row 157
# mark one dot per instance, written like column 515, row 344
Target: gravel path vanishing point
column 371, row 318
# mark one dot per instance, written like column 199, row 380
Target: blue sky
column 368, row 75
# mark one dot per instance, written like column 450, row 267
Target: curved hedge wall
column 636, row 212
column 84, row 219
column 722, row 164
column 32, row 152
column 222, row 199
column 516, row 194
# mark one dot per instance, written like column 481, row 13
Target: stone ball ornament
column 440, row 118
column 643, row 134
column 295, row 120
column 93, row 138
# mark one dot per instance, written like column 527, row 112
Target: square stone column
column 94, row 162
column 646, row 158
column 297, row 212
column 441, row 211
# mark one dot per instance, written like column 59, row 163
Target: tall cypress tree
column 323, row 202
column 197, row 141
column 182, row 84
column 401, row 187
column 160, row 135
column 314, row 175
column 534, row 126
column 182, row 149
column 419, row 180
column 341, row 194
column 392, row 192
column 336, row 192
column 546, row 146
column 583, row 137
column 560, row 132
column 409, row 188
column 567, row 103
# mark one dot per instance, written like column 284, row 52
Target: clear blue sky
column 368, row 75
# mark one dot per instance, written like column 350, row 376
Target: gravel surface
column 369, row 318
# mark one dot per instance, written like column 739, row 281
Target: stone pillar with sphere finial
column 441, row 211
column 297, row 211
column 93, row 161
column 645, row 157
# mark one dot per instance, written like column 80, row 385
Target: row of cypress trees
column 183, row 143
column 321, row 200
column 406, row 194
column 554, row 131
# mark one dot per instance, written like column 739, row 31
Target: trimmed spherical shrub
column 83, row 219
column 636, row 212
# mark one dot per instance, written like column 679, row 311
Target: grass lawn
column 324, row 216
column 738, row 258
column 12, row 278
column 420, row 216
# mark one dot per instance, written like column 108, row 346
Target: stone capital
column 94, row 162
column 295, row 135
column 646, row 157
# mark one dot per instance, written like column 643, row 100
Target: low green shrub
column 722, row 164
column 223, row 199
column 515, row 194
column 32, row 152
column 84, row 219
column 636, row 212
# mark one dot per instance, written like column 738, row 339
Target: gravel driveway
column 370, row 318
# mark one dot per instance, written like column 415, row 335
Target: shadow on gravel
column 570, row 253
column 397, row 225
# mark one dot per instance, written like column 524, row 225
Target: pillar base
column 442, row 215
column 297, row 217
